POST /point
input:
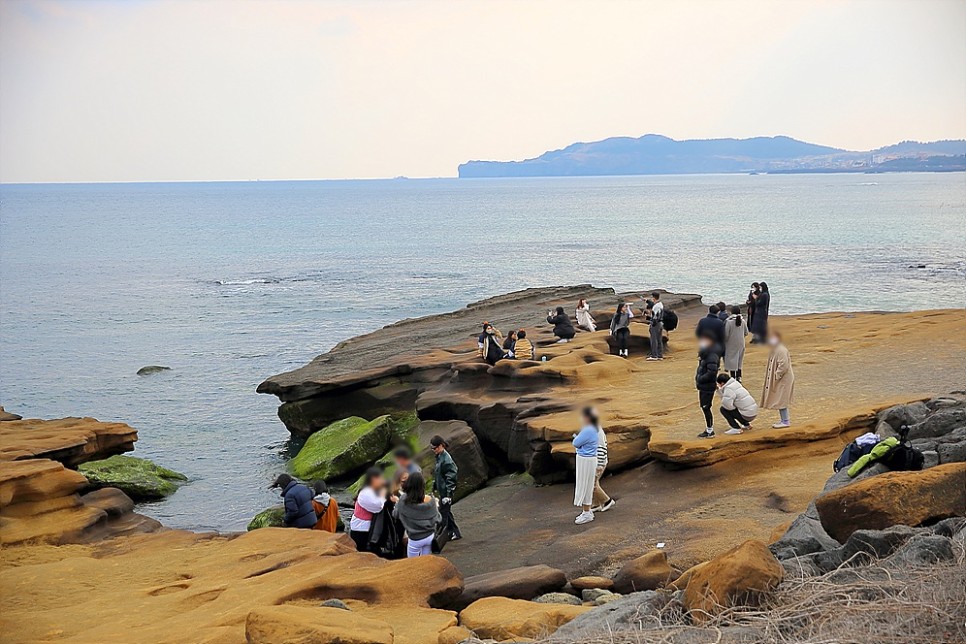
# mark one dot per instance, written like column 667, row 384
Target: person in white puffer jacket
column 737, row 405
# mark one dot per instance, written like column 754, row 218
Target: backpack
column 904, row 457
column 850, row 454
column 670, row 320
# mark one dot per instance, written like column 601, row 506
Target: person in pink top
column 369, row 503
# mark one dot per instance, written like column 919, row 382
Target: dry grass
column 863, row 605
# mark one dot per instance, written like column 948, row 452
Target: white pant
column 420, row 547
column 586, row 476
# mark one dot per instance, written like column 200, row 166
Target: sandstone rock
column 738, row 576
column 301, row 625
column 623, row 612
column 502, row 618
column 415, row 625
column 455, row 635
column 648, row 572
column 584, row 583
column 516, row 583
column 342, row 448
column 558, row 598
column 71, row 441
column 907, row 498
column 6, row 415
column 139, row 478
column 152, row 369
column 465, row 449
column 682, row 581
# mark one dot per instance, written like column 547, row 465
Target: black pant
column 449, row 522
column 706, row 398
column 361, row 537
column 736, row 374
column 734, row 418
column 622, row 335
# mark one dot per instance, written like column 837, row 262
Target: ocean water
column 228, row 283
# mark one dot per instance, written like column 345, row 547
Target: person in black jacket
column 492, row 351
column 759, row 326
column 299, row 511
column 562, row 327
column 750, row 304
column 705, row 378
column 712, row 324
column 444, row 484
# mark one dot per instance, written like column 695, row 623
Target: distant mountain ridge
column 657, row 154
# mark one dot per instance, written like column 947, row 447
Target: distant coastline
column 653, row 154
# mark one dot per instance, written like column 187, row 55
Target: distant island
column 656, row 154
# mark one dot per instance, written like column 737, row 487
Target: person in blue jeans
column 585, row 442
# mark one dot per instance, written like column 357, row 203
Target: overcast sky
column 195, row 90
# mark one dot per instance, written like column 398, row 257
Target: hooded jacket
column 299, row 511
column 712, row 324
column 709, row 360
column 327, row 513
column 735, row 396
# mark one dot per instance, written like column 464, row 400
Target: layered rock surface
column 71, row 441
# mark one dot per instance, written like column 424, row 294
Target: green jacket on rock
column 881, row 449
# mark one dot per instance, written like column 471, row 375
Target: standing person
column 326, row 509
column 369, row 502
column 656, row 327
column 509, row 345
column 737, row 405
column 602, row 501
column 444, row 484
column 620, row 327
column 779, row 389
column 524, row 349
column 299, row 512
column 735, row 331
column 585, row 441
column 584, row 319
column 705, row 378
column 750, row 304
column 492, row 349
column 762, row 303
column 722, row 311
column 405, row 465
column 712, row 324
column 419, row 514
column 562, row 327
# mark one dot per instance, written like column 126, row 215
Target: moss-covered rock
column 139, row 478
column 270, row 518
column 350, row 444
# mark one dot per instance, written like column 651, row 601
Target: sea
column 229, row 283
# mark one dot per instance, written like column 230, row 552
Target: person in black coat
column 712, row 324
column 751, row 302
column 299, row 511
column 759, row 326
column 706, row 377
column 562, row 327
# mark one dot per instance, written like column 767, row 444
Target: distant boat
column 753, row 173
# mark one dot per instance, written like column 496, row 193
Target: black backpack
column 852, row 452
column 670, row 320
column 904, row 456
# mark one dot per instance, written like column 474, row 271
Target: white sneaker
column 734, row 431
column 561, row 340
column 607, row 506
column 781, row 425
column 584, row 517
column 652, row 358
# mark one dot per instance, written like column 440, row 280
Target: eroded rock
column 502, row 618
column 738, row 576
column 648, row 572
column 516, row 583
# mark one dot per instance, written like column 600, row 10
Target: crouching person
column 419, row 515
column 737, row 405
column 299, row 511
column 326, row 508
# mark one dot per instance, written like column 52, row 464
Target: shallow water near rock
column 228, row 283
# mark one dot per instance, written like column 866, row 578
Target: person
column 524, row 349
column 735, row 331
column 722, row 311
column 779, row 388
column 762, row 303
column 584, row 319
column 709, row 360
column 712, row 324
column 326, row 509
column 562, row 328
column 297, row 498
column 750, row 304
column 492, row 351
column 585, row 442
column 419, row 514
column 369, row 502
column 444, row 484
column 620, row 327
column 405, row 465
column 655, row 317
column 602, row 501
column 480, row 341
column 509, row 345
column 737, row 405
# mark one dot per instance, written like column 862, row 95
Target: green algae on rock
column 139, row 478
column 270, row 518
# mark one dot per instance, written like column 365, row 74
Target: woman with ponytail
column 735, row 331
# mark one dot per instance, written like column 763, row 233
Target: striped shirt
column 601, row 448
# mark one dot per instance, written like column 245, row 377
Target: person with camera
column 562, row 326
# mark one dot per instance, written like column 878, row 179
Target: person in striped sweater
column 602, row 501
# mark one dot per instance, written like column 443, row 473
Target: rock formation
column 139, row 478
column 71, row 441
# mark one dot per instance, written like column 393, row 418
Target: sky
column 211, row 90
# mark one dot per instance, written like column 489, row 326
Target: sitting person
column 299, row 512
column 562, row 327
column 492, row 349
column 737, row 405
column 509, row 344
column 524, row 349
column 482, row 337
column 326, row 509
column 419, row 515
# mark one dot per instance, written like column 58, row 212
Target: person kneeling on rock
column 737, row 405
column 299, row 512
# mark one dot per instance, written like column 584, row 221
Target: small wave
column 258, row 280
column 869, row 183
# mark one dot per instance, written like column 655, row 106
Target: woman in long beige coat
column 779, row 389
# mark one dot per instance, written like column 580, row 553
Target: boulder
column 606, row 598
column 343, row 447
column 585, row 583
column 516, row 583
column 139, row 478
column 921, row 550
column 304, row 625
column 941, row 422
column 648, row 572
column 152, row 369
column 952, row 452
column 907, row 498
column 591, row 594
column 738, row 576
column 558, row 598
column 861, row 547
column 622, row 612
column 270, row 518
column 465, row 449
column 71, row 441
column 502, row 618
